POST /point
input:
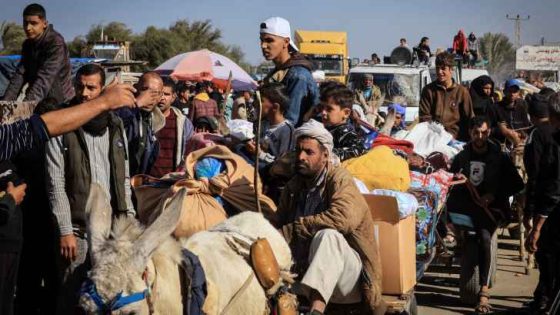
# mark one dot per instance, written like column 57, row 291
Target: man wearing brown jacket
column 329, row 228
column 447, row 102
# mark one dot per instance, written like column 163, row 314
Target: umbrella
column 204, row 65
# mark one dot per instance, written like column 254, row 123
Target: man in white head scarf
column 329, row 227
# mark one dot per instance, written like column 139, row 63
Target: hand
column 117, row 95
column 148, row 99
column 531, row 242
column 17, row 192
column 487, row 199
column 251, row 147
column 68, row 247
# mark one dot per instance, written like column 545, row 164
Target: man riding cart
column 483, row 200
column 329, row 228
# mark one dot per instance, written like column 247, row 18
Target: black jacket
column 491, row 173
column 10, row 214
column 515, row 117
column 45, row 65
column 347, row 143
column 536, row 157
column 547, row 188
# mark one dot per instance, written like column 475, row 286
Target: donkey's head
column 117, row 282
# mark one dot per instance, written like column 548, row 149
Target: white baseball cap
column 280, row 27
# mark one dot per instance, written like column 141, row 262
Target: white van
column 394, row 80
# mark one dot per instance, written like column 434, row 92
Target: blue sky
column 372, row 25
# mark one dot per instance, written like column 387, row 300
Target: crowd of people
column 92, row 132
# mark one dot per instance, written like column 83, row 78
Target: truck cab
column 398, row 83
column 327, row 50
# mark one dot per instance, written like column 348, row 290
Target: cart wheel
column 468, row 279
column 413, row 307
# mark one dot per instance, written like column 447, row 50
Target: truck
column 327, row 50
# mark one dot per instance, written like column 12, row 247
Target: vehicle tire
column 469, row 284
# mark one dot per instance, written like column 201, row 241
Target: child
column 276, row 131
column 336, row 107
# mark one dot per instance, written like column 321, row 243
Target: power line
column 517, row 20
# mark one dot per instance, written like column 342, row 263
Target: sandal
column 449, row 241
column 483, row 307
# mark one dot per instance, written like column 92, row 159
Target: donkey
column 135, row 269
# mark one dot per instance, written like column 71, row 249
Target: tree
column 154, row 46
column 78, row 47
column 12, row 38
column 499, row 51
column 113, row 31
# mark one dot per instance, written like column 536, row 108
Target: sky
column 372, row 25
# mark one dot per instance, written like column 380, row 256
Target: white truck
column 396, row 82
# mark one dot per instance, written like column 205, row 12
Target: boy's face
column 267, row 107
column 444, row 73
column 332, row 114
column 34, row 26
column 272, row 45
column 398, row 119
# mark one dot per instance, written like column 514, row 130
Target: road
column 438, row 292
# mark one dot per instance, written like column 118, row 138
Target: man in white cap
column 292, row 69
column 329, row 228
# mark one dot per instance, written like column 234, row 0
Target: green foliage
column 156, row 45
column 113, row 31
column 500, row 53
column 78, row 47
column 12, row 38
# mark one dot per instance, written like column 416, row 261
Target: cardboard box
column 396, row 240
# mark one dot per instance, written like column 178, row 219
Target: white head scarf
column 315, row 130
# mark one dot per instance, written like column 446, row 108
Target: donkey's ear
column 100, row 215
column 161, row 228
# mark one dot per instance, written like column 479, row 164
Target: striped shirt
column 98, row 149
column 21, row 136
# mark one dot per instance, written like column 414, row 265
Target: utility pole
column 517, row 20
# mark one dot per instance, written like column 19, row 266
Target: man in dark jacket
column 142, row 123
column 291, row 69
column 493, row 179
column 544, row 237
column 44, row 65
column 10, row 234
column 508, row 118
column 447, row 102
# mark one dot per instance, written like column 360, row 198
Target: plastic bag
column 208, row 168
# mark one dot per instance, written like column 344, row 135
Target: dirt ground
column 438, row 292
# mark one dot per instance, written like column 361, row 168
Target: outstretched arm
column 61, row 121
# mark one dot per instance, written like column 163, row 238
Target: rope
column 239, row 292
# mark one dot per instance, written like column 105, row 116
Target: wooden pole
column 257, row 146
